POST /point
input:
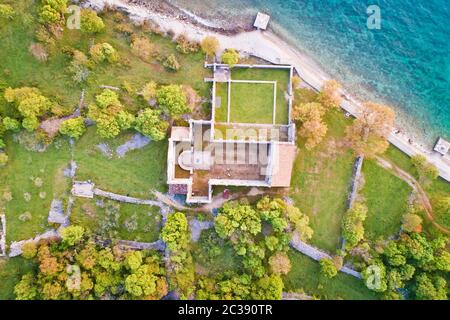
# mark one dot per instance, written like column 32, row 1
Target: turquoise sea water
column 406, row 63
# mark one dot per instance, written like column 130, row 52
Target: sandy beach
column 270, row 47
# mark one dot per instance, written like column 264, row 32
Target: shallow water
column 406, row 63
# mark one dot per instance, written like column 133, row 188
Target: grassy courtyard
column 252, row 103
column 387, row 200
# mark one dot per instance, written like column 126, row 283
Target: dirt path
column 414, row 184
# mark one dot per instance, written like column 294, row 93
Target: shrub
column 73, row 128
column 29, row 250
column 30, row 123
column 11, row 124
column 107, row 98
column 72, row 235
column 185, row 46
column 412, row 223
column 38, row 51
column 49, row 15
column 280, row 263
column 142, row 47
column 149, row 91
column 91, row 22
column 171, row 63
column 101, row 52
column 6, row 11
column 327, row 268
column 210, row 45
column 230, row 57
column 3, row 159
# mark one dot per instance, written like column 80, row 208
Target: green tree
column 230, row 57
column 91, row 22
column 172, row 100
column 236, row 218
column 74, row 128
column 327, row 268
column 176, row 232
column 268, row 288
column 133, row 260
column 431, row 288
column 352, row 225
column 141, row 283
column 149, row 123
column 25, row 289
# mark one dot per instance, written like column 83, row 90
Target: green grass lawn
column 134, row 222
column 11, row 271
column 386, row 198
column 222, row 94
column 251, row 103
column 320, row 183
column 29, row 183
column 305, row 275
column 281, row 76
column 138, row 172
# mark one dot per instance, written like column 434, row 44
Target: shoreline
column 261, row 44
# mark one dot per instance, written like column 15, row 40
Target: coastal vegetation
column 70, row 100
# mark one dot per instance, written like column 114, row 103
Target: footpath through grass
column 438, row 189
